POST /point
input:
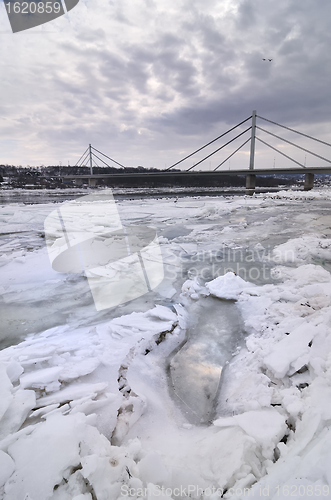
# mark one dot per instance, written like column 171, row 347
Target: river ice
column 215, row 383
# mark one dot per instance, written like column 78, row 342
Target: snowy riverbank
column 87, row 407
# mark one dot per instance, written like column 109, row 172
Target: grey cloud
column 247, row 16
column 164, row 62
column 199, row 72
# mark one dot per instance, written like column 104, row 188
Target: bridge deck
column 289, row 171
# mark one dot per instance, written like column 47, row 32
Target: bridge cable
column 211, row 154
column 101, row 160
column 81, row 157
column 108, row 157
column 293, row 144
column 194, row 152
column 286, row 156
column 296, row 131
column 226, row 159
column 84, row 159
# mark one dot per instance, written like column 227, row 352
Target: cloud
column 136, row 78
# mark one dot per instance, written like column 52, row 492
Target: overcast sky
column 147, row 82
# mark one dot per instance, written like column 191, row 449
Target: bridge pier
column 309, row 182
column 92, row 182
column 250, row 182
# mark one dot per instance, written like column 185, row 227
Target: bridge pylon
column 250, row 178
column 90, row 155
column 253, row 131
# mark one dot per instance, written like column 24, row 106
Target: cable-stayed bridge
column 92, row 156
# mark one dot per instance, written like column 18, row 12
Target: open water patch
column 215, row 332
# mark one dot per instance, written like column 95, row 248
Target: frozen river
column 184, row 353
column 197, row 240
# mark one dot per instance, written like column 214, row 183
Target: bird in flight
column 266, row 59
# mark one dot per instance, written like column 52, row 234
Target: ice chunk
column 228, row 286
column 264, row 425
column 72, row 392
column 7, row 467
column 289, row 349
column 14, row 370
column 40, row 379
column 301, row 249
column 37, row 469
column 267, row 427
column 6, row 386
column 78, row 367
column 319, row 393
column 17, row 412
column 228, row 455
column 99, row 472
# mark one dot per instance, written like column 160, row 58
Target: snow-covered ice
column 239, row 330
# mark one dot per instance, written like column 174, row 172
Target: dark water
column 38, row 196
column 34, row 196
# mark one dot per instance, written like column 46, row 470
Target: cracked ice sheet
column 168, row 451
column 282, row 376
column 62, row 385
column 201, row 224
column 275, row 405
column 29, row 284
